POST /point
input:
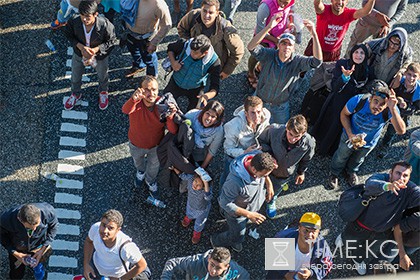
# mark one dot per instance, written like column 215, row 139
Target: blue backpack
column 129, row 10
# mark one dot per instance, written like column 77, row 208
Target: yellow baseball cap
column 310, row 220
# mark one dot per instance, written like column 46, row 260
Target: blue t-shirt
column 366, row 122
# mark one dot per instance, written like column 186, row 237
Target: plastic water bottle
column 104, row 278
column 53, row 176
column 39, row 272
column 155, row 202
column 30, row 261
column 50, row 45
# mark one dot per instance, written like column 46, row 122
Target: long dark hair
column 215, row 106
column 361, row 71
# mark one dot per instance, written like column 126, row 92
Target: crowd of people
column 374, row 86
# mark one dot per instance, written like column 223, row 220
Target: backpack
column 146, row 274
column 353, row 203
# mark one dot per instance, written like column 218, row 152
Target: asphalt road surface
column 89, row 147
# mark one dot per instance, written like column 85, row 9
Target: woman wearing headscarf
column 350, row 77
column 390, row 56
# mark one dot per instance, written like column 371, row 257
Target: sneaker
column 153, row 190
column 71, row 101
column 360, row 267
column 237, row 247
column 133, row 71
column 56, row 24
column 352, row 179
column 271, row 210
column 186, row 222
column 196, row 237
column 103, row 100
column 332, row 182
column 138, row 179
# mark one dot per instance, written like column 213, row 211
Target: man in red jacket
column 146, row 131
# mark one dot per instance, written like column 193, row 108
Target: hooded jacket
column 14, row 236
column 239, row 136
column 273, row 140
column 196, row 268
column 241, row 189
column 226, row 41
column 402, row 58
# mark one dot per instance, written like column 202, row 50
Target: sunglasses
column 381, row 94
column 395, row 44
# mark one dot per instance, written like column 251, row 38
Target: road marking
column 71, row 141
column 70, row 50
column 69, row 184
column 70, row 169
column 67, row 214
column 62, row 261
column 68, row 63
column 59, row 276
column 67, row 75
column 78, row 102
column 75, row 115
column 71, row 127
column 85, row 78
column 65, row 229
column 66, row 198
column 71, row 155
column 65, row 245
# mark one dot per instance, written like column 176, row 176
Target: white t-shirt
column 302, row 260
column 107, row 260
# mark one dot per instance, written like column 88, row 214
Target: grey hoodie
column 239, row 136
column 385, row 69
column 241, row 189
column 196, row 268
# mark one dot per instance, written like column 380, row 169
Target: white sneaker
column 360, row 267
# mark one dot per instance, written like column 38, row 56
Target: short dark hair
column 252, row 101
column 215, row 3
column 88, row 7
column 115, row 216
column 217, row 107
column 30, row 214
column 297, row 124
column 148, row 79
column 200, row 43
column 263, row 161
column 221, row 255
column 379, row 88
column 404, row 164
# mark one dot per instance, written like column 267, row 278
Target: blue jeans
column 278, row 187
column 61, row 14
column 226, row 166
column 348, row 159
column 138, row 50
column 145, row 161
column 279, row 113
column 235, row 234
column 230, row 9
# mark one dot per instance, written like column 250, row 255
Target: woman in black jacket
column 350, row 78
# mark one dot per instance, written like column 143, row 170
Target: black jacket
column 14, row 236
column 103, row 35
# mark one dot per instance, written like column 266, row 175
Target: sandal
column 252, row 80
